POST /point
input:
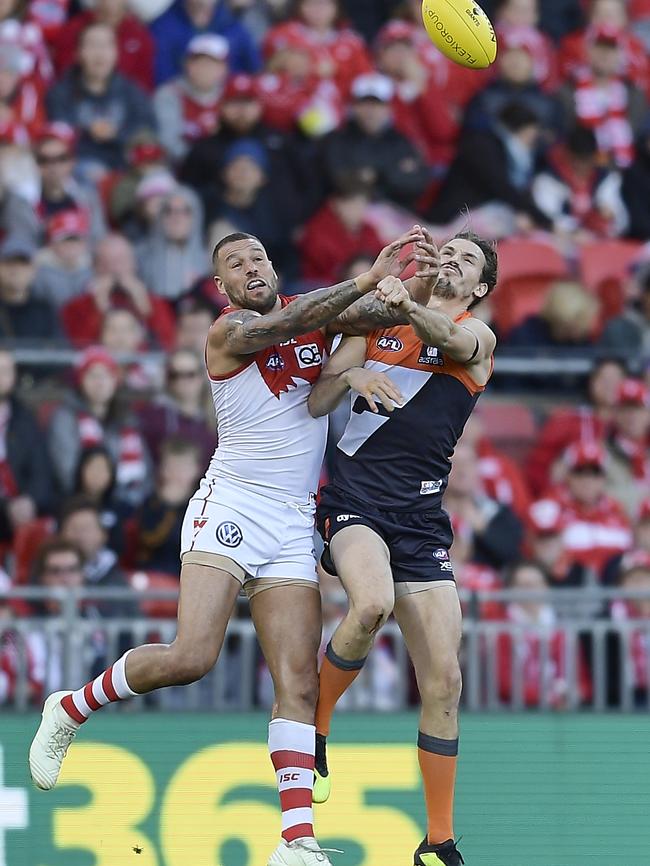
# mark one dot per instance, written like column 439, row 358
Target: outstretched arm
column 466, row 344
column 345, row 372
column 246, row 331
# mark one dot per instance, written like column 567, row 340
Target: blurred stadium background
column 133, row 137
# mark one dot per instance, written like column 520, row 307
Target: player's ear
column 219, row 284
column 481, row 290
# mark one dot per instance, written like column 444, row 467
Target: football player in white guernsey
column 251, row 521
column 388, row 536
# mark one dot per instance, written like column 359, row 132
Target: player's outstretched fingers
column 368, row 396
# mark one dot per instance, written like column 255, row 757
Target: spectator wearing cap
column 135, row 44
column 339, row 53
column 104, row 106
column 115, row 283
column 517, row 80
column 337, row 232
column 23, row 317
column 604, row 99
column 65, row 265
column 25, row 470
column 581, row 196
column 545, row 543
column 22, row 111
column 566, row 425
column 246, row 203
column 187, row 107
column 630, row 331
column 492, row 174
column 608, row 16
column 145, row 156
column 421, row 109
column 628, row 457
column 596, row 524
column 184, row 19
column 180, row 410
column 54, row 152
column 370, row 146
column 93, row 413
column 290, row 180
column 172, row 256
column 636, row 187
column 150, row 193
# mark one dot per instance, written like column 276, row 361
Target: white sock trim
column 121, row 686
column 285, row 734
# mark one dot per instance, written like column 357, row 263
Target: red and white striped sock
column 107, row 688
column 292, row 746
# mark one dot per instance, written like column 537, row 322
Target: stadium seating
column 511, row 427
column 526, row 269
column 142, row 581
column 604, row 266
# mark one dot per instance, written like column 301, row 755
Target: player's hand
column 393, row 292
column 388, row 262
column 427, row 256
column 373, row 386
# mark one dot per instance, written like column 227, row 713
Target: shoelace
column 59, row 742
column 318, row 851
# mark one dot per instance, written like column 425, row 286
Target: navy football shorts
column 418, row 542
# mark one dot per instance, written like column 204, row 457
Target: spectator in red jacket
column 421, row 109
column 596, row 525
column 134, row 42
column 519, row 20
column 116, row 284
column 635, row 577
column 545, row 544
column 543, row 675
column 569, row 424
column 610, row 14
column 339, row 52
column 337, row 232
column 22, row 112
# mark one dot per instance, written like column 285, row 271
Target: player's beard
column 444, row 289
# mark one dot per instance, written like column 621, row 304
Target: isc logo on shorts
column 229, row 534
column 429, row 487
column 390, row 344
column 308, row 355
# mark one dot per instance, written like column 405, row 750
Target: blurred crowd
column 133, row 136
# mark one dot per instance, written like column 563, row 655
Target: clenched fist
column 393, row 293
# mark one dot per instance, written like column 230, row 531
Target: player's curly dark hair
column 489, row 273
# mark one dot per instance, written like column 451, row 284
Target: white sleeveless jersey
column 267, row 440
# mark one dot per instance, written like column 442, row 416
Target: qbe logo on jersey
column 308, row 355
column 229, row 534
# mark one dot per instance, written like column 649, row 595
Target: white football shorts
column 266, row 538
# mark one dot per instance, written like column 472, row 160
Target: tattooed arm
column 245, row 331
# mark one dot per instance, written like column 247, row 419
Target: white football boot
column 301, row 852
column 49, row 746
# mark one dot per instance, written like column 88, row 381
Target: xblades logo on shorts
column 229, row 534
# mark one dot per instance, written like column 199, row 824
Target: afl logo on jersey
column 308, row 355
column 275, row 362
column 229, row 534
column 390, row 344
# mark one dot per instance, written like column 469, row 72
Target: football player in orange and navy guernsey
column 387, row 536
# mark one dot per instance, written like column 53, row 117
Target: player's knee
column 373, row 613
column 443, row 687
column 298, row 689
column 186, row 668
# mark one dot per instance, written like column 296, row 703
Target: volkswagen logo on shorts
column 229, row 534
